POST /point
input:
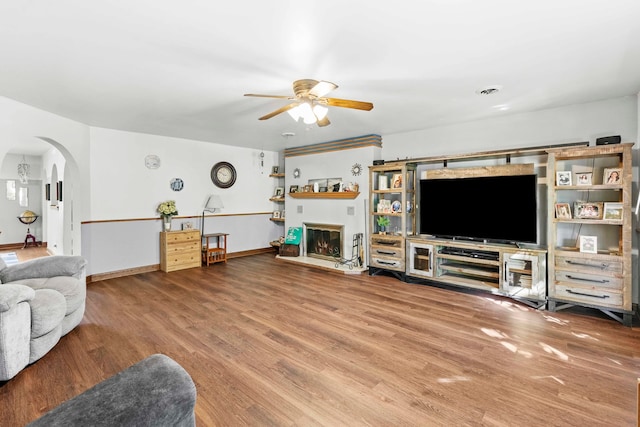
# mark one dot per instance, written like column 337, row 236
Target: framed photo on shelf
column 275, row 169
column 588, row 210
column 308, row 188
column 396, row 180
column 589, row 244
column 613, row 210
column 584, row 178
column 563, row 178
column 563, row 211
column 293, row 189
column 612, row 176
column 279, row 192
column 276, row 214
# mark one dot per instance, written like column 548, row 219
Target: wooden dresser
column 179, row 250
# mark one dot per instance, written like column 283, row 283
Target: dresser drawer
column 388, row 263
column 183, row 247
column 603, row 281
column 589, row 265
column 589, row 295
column 179, row 237
column 387, row 251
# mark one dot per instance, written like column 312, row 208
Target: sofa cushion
column 12, row 294
column 73, row 290
column 50, row 266
column 48, row 308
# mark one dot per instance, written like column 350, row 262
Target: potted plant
column 167, row 210
column 383, row 223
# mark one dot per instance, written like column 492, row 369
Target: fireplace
column 323, row 240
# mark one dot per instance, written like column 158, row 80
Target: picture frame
column 275, row 169
column 293, row 189
column 563, row 211
column 47, row 192
column 589, row 244
column 563, row 178
column 588, row 210
column 276, row 215
column 59, row 191
column 396, row 181
column 308, row 188
column 613, row 211
column 188, row 225
column 584, row 178
column 278, row 192
column 612, row 176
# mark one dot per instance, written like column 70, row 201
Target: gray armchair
column 41, row 300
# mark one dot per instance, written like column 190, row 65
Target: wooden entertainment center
column 600, row 280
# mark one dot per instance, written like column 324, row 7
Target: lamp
column 213, row 202
column 23, row 171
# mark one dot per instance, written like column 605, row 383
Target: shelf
column 277, row 175
column 277, row 219
column 277, row 199
column 597, row 187
column 334, row 195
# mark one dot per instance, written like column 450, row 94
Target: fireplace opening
column 323, row 240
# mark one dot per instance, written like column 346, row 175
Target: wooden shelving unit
column 600, row 280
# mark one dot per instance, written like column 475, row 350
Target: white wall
column 123, row 188
column 574, row 123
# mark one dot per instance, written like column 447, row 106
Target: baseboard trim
column 155, row 267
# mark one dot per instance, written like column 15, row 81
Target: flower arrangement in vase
column 167, row 210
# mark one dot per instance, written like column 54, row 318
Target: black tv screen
column 496, row 208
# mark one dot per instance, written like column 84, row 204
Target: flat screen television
column 500, row 209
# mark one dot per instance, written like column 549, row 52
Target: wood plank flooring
column 275, row 344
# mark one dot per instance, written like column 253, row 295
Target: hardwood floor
column 275, row 344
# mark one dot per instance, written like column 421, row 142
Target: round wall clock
column 223, row 174
column 152, row 161
column 356, row 169
column 177, row 184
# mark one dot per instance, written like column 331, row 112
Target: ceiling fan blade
column 271, row 96
column 346, row 103
column 279, row 110
column 322, row 88
column 324, row 122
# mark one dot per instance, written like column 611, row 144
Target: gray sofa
column 154, row 392
column 41, row 300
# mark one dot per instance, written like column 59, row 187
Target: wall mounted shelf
column 335, row 195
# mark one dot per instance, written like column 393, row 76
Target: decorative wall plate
column 296, row 173
column 177, row 184
column 356, row 169
column 152, row 161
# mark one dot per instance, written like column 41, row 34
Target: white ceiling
column 181, row 68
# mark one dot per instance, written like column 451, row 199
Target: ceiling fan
column 310, row 103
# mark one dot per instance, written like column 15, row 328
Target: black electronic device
column 606, row 140
column 499, row 209
column 378, row 162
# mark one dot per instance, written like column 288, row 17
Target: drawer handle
column 584, row 279
column 385, row 252
column 584, row 264
column 386, row 262
column 384, row 242
column 569, row 291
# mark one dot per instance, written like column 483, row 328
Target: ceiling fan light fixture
column 295, row 113
column 307, row 113
column 320, row 111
